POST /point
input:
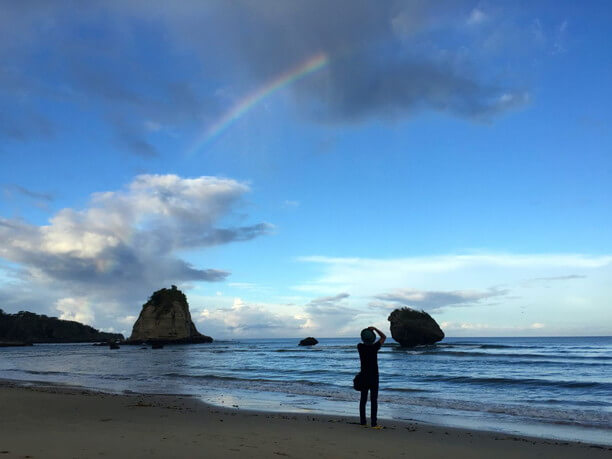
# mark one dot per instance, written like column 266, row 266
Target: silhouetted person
column 368, row 355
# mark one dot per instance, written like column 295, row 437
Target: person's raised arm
column 383, row 337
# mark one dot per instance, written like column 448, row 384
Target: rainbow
column 307, row 67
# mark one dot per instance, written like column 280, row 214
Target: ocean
column 557, row 388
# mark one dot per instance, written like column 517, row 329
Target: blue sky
column 453, row 157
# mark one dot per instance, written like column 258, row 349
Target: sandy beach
column 57, row 422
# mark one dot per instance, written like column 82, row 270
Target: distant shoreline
column 70, row 421
column 390, row 341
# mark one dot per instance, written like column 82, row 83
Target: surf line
column 243, row 106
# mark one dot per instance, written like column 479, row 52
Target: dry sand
column 55, row 422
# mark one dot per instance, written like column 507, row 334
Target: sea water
column 550, row 387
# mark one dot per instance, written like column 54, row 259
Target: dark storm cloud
column 379, row 65
column 384, row 57
column 163, row 62
column 404, row 86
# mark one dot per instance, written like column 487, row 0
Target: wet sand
column 57, row 422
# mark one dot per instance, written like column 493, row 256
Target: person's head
column 367, row 336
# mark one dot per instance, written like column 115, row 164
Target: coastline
column 55, row 421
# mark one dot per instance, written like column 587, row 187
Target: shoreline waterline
column 253, row 407
column 551, row 388
column 281, row 404
column 70, row 422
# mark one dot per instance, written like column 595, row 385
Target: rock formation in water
column 413, row 328
column 166, row 319
column 310, row 341
column 26, row 327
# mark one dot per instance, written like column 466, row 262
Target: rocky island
column 24, row 328
column 310, row 341
column 413, row 328
column 165, row 319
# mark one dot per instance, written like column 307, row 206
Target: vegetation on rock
column 28, row 327
column 162, row 300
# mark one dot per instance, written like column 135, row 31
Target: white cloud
column 321, row 317
column 243, row 285
column 480, row 326
column 367, row 277
column 333, row 315
column 77, row 309
column 152, row 126
column 510, row 100
column 127, row 320
column 477, row 16
column 485, row 329
column 329, row 300
column 538, row 34
column 476, row 288
column 246, row 320
column 548, row 281
column 124, row 245
column 289, row 204
column 156, row 213
column 560, row 38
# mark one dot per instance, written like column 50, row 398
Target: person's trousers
column 373, row 389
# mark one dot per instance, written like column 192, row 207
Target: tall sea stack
column 166, row 319
column 412, row 328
